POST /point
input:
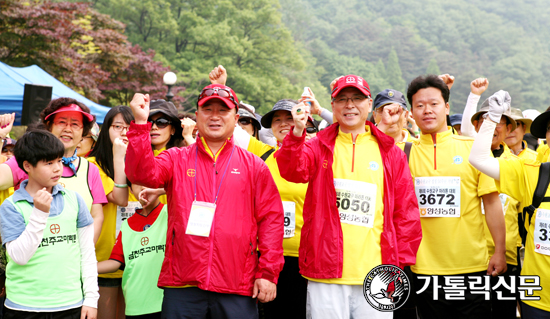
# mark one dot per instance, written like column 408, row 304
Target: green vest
column 143, row 255
column 51, row 278
column 79, row 183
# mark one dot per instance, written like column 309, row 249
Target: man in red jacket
column 360, row 209
column 223, row 206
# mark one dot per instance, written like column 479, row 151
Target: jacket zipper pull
column 251, row 249
column 215, row 168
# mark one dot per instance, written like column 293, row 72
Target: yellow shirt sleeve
column 108, row 183
column 258, row 148
column 486, row 185
column 518, row 178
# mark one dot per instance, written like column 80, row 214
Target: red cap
column 214, row 93
column 72, row 108
column 351, row 81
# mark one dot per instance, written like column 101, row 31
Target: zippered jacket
column 248, row 216
column 321, row 245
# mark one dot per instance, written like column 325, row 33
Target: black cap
column 538, row 128
column 282, row 105
column 389, row 96
column 168, row 109
column 246, row 111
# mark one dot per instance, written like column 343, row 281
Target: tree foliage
column 81, row 47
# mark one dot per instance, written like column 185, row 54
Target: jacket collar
column 440, row 137
column 224, row 149
column 328, row 137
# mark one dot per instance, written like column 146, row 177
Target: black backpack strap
column 407, row 149
column 538, row 196
column 266, row 154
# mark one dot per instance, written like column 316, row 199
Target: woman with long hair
column 108, row 154
column 69, row 120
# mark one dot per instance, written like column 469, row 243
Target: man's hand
column 6, row 124
column 140, row 108
column 497, row 265
column 88, row 313
column 188, row 125
column 148, row 195
column 391, row 114
column 218, row 75
column 119, row 148
column 299, row 114
column 499, row 103
column 42, row 200
column 448, row 79
column 264, row 290
column 479, row 85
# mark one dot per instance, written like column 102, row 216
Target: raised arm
column 477, row 87
column 6, row 175
column 480, row 157
column 119, row 195
column 142, row 167
column 296, row 159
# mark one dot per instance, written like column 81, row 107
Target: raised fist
column 218, row 75
column 140, row 107
column 479, row 85
column 42, row 200
column 6, row 124
column 448, row 79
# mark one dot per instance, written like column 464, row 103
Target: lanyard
column 223, row 176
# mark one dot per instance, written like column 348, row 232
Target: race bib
column 356, row 202
column 504, row 201
column 123, row 213
column 438, row 196
column 200, row 219
column 542, row 232
column 290, row 219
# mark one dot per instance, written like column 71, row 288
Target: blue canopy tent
column 12, row 87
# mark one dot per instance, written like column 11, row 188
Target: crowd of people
column 228, row 214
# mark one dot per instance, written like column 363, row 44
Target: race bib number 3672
column 438, row 196
column 356, row 202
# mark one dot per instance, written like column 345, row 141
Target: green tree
column 393, row 72
column 433, row 68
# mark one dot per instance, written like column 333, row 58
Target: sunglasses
column 160, row 122
column 219, row 92
column 245, row 121
column 311, row 130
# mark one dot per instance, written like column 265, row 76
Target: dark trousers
column 528, row 312
column 473, row 306
column 155, row 315
column 67, row 314
column 291, row 294
column 504, row 309
column 194, row 303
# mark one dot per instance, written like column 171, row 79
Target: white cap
column 531, row 114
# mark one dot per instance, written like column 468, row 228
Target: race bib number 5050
column 438, row 196
column 356, row 202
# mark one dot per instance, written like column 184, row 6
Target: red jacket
column 321, row 245
column 249, row 214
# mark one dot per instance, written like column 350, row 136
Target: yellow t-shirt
column 511, row 209
column 441, row 172
column 409, row 136
column 542, row 153
column 359, row 182
column 163, row 199
column 292, row 195
column 528, row 153
column 107, row 239
column 519, row 179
